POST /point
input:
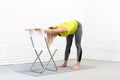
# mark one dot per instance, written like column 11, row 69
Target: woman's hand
column 31, row 29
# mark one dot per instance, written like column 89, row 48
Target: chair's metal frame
column 44, row 67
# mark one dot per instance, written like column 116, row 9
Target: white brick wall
column 100, row 21
column 102, row 29
column 16, row 15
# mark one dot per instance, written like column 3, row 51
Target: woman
column 67, row 29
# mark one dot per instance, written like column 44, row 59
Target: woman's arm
column 50, row 31
column 55, row 31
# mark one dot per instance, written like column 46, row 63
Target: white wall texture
column 16, row 15
column 102, row 29
column 100, row 21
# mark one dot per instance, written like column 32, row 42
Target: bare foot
column 77, row 66
column 63, row 65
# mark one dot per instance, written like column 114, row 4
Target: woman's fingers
column 30, row 29
column 37, row 29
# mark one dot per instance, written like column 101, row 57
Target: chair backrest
column 37, row 33
column 38, row 39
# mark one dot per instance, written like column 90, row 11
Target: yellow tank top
column 70, row 25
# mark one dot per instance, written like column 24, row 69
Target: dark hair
column 51, row 28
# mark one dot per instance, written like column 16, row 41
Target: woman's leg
column 69, row 40
column 78, row 36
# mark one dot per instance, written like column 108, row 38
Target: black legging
column 69, row 39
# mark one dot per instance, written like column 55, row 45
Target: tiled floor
column 97, row 70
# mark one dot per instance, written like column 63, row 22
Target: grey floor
column 90, row 70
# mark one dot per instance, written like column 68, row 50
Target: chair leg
column 37, row 58
column 51, row 58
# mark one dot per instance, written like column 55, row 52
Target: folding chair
column 42, row 36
